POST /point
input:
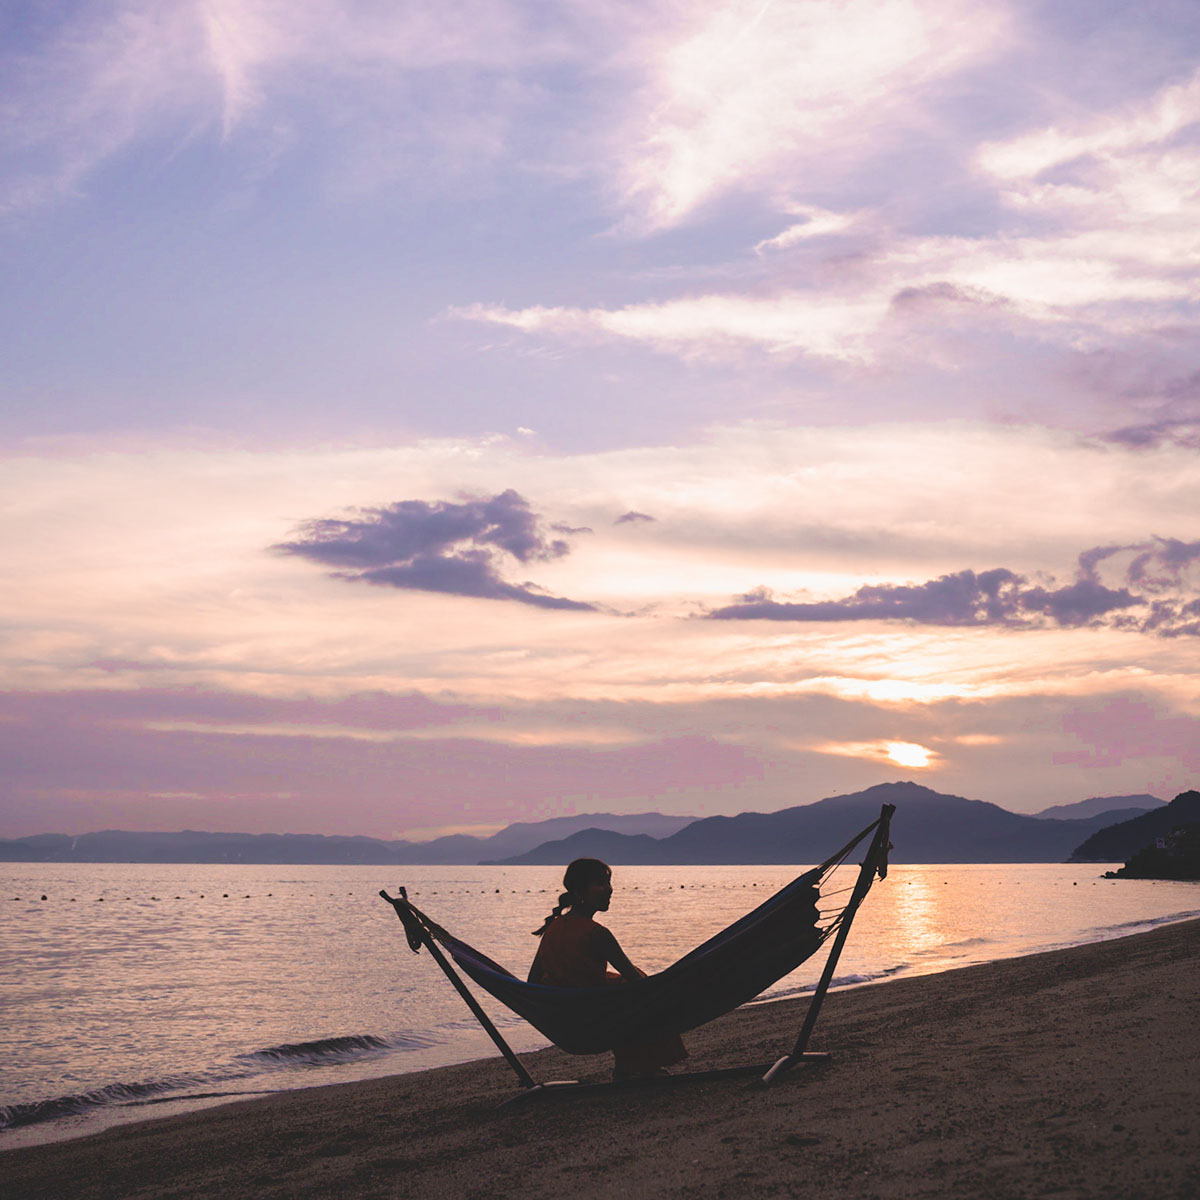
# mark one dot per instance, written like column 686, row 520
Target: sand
column 1069, row 1074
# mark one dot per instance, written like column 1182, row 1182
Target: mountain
column 1120, row 842
column 18, row 852
column 1098, row 805
column 192, row 846
column 516, row 839
column 604, row 844
column 1176, row 856
column 929, row 827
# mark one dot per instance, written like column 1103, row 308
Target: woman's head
column 587, row 885
column 588, row 882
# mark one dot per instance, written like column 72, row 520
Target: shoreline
column 167, row 1100
column 1068, row 1072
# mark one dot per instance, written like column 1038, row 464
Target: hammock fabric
column 722, row 973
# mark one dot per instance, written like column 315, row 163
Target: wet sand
column 1069, row 1074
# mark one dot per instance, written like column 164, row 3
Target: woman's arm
column 535, row 970
column 607, row 947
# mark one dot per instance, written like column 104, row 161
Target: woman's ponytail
column 564, row 901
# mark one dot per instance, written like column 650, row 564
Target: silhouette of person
column 576, row 951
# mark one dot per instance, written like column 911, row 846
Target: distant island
column 1117, row 842
column 930, row 827
column 1174, row 852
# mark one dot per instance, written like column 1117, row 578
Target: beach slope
column 1066, row 1074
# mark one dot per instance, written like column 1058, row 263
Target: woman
column 576, row 951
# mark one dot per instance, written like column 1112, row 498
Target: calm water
column 136, row 990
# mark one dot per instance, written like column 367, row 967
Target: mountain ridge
column 1095, row 805
column 198, row 846
column 930, row 827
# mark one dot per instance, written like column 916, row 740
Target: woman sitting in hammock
column 575, row 951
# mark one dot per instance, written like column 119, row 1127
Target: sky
column 419, row 418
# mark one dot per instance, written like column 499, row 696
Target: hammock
column 715, row 978
column 724, row 972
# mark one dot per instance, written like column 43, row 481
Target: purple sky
column 425, row 417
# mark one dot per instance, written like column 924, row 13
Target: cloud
column 1090, row 560
column 1167, row 570
column 1149, row 434
column 1108, row 137
column 466, row 573
column 1163, row 563
column 1002, row 597
column 817, row 222
column 825, row 325
column 166, row 541
column 1077, row 603
column 437, row 547
column 113, row 74
column 938, row 296
column 1128, row 728
column 1173, row 619
column 758, row 96
column 1074, row 237
column 964, row 598
column 1075, row 282
column 632, row 517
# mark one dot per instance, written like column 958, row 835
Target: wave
column 336, row 1049
column 181, row 1087
column 323, row 1050
column 838, row 981
column 1147, row 922
column 1104, row 933
column 965, row 944
column 14, row 1115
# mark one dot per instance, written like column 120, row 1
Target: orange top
column 568, row 956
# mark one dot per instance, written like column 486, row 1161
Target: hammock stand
column 422, row 932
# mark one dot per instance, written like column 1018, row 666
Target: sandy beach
column 1067, row 1074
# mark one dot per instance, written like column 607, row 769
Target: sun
column 908, row 754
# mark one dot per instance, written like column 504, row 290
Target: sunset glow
column 902, row 754
column 908, row 754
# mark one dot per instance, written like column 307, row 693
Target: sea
column 129, row 991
